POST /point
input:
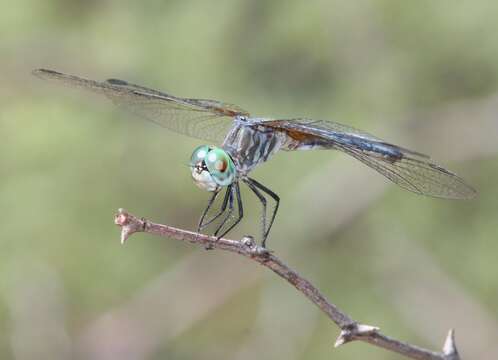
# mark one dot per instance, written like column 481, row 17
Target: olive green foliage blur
column 423, row 74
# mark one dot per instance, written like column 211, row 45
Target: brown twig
column 350, row 329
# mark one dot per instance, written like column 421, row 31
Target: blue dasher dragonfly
column 246, row 142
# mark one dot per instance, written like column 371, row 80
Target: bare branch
column 350, row 329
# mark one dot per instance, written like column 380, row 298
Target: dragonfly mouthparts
column 200, row 168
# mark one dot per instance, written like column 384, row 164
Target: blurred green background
column 421, row 74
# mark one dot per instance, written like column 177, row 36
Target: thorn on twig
column 449, row 349
column 129, row 224
column 353, row 332
column 121, row 218
column 254, row 249
column 248, row 241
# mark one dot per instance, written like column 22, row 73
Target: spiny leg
column 229, row 212
column 262, row 199
column 241, row 210
column 275, row 209
column 273, row 195
column 220, row 212
column 204, row 213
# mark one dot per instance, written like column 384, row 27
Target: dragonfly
column 243, row 142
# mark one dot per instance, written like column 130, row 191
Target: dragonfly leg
column 240, row 208
column 262, row 199
column 228, row 215
column 202, row 224
column 275, row 209
column 204, row 213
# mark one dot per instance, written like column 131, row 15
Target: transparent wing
column 199, row 118
column 419, row 175
column 411, row 170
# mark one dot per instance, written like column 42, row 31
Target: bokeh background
column 422, row 74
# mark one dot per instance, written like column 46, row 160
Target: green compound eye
column 220, row 166
column 199, row 154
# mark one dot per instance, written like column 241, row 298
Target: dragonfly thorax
column 250, row 144
column 212, row 168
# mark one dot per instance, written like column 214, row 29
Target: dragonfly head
column 212, row 168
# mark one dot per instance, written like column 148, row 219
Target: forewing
column 411, row 170
column 199, row 118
